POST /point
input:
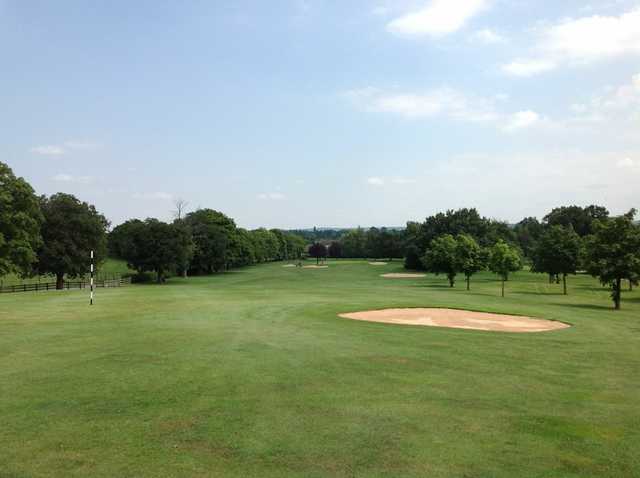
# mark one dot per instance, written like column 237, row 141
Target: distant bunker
column 457, row 319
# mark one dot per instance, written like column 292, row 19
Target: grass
column 251, row 373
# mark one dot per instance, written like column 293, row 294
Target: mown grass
column 251, row 373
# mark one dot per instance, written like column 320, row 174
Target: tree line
column 55, row 234
column 202, row 242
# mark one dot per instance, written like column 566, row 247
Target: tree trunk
column 616, row 293
column 468, row 282
column 452, row 281
column 557, row 278
column 184, row 273
column 550, row 278
column 503, row 286
column 59, row 280
column 159, row 277
column 564, row 283
column 630, row 286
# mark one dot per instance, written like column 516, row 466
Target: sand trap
column 402, row 275
column 289, row 265
column 377, row 263
column 457, row 319
column 315, row 267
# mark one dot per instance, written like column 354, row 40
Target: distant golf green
column 252, row 373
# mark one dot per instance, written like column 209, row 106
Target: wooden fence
column 79, row 284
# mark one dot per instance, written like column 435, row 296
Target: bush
column 142, row 278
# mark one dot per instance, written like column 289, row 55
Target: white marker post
column 91, row 293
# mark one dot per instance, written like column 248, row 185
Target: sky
column 301, row 113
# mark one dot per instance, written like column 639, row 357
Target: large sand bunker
column 315, row 267
column 402, row 275
column 378, row 263
column 458, row 319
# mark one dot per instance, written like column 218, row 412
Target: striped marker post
column 91, row 281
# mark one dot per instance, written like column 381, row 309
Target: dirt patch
column 402, row 275
column 315, row 267
column 378, row 263
column 457, row 319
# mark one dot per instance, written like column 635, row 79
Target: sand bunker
column 377, row 263
column 315, row 267
column 289, row 265
column 402, row 275
column 457, row 319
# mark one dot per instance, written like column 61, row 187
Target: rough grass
column 251, row 373
column 107, row 268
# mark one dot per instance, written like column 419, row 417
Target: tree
column 70, row 231
column 335, row 249
column 469, row 256
column 613, row 252
column 503, row 260
column 412, row 258
column 527, row 233
column 581, row 219
column 154, row 246
column 442, row 258
column 20, row 220
column 557, row 253
column 181, row 207
column 354, row 243
column 318, row 250
column 211, row 231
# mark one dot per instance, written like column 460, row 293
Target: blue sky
column 296, row 113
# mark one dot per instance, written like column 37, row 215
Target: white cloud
column 581, row 41
column 375, row 181
column 154, row 196
column 612, row 104
column 49, row 150
column 272, row 196
column 439, row 102
column 60, row 149
column 68, row 178
column 521, row 120
column 528, row 67
column 629, row 164
column 488, row 37
column 439, row 18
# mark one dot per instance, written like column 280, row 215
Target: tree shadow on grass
column 600, row 308
column 528, row 292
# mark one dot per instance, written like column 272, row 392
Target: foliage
column 613, row 253
column 318, row 251
column 335, row 249
column 20, row 220
column 442, row 257
column 557, row 252
column 580, row 219
column 211, row 231
column 70, row 231
column 503, row 260
column 470, row 256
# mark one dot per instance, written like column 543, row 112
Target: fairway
column 252, row 373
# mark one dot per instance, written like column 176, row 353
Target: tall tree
column 613, row 252
column 442, row 258
column 503, row 260
column 354, row 243
column 527, row 233
column 318, row 250
column 335, row 249
column 469, row 255
column 70, row 231
column 20, row 220
column 581, row 219
column 557, row 253
column 211, row 231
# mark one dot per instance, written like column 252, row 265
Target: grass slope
column 251, row 373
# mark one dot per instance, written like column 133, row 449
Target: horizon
column 307, row 111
